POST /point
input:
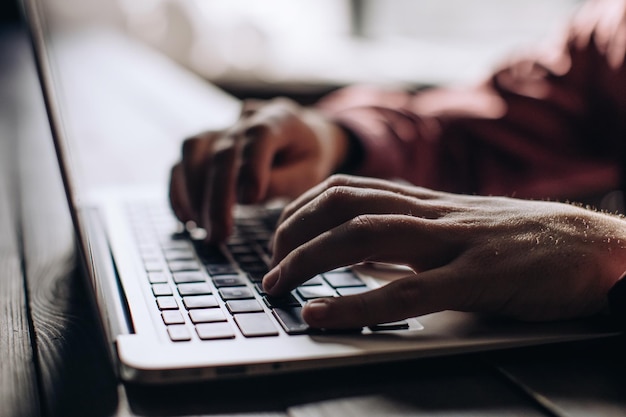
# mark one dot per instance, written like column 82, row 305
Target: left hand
column 277, row 148
column 531, row 260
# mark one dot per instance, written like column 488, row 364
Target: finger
column 217, row 206
column 290, row 180
column 250, row 106
column 338, row 205
column 266, row 134
column 179, row 200
column 194, row 162
column 419, row 243
column 412, row 296
column 257, row 154
column 356, row 182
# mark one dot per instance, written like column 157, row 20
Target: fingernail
column 270, row 279
column 317, row 309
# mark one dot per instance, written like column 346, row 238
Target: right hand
column 276, row 149
column 529, row 260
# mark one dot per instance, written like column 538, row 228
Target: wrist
column 337, row 143
column 353, row 152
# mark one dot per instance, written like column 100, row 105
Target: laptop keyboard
column 215, row 292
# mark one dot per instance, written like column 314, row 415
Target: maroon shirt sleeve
column 551, row 123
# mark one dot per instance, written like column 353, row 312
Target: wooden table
column 53, row 359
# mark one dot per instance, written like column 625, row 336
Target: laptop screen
column 39, row 33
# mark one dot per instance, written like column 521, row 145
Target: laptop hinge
column 104, row 279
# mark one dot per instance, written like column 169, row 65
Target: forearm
column 542, row 126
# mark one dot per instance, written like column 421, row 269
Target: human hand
column 530, row 260
column 275, row 149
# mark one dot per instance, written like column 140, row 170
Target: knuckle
column 280, row 239
column 363, row 309
column 334, row 198
column 254, row 132
column 278, row 111
column 190, row 145
column 405, row 294
column 223, row 147
column 362, row 227
column 279, row 233
column 338, row 180
column 284, row 102
column 249, row 107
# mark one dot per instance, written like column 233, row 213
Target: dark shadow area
column 425, row 385
column 304, row 94
column 85, row 382
column 585, row 374
column 9, row 12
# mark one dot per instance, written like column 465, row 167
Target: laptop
column 174, row 309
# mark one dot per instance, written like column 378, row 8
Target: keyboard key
column 179, row 255
column 316, row 280
column 211, row 331
column 161, row 289
column 290, row 318
column 172, row 317
column 167, row 303
column 258, row 286
column 200, row 301
column 194, row 288
column 144, row 236
column 255, row 268
column 256, row 276
column 149, row 251
column 229, row 281
column 256, row 325
column 236, row 293
column 178, row 333
column 354, row 330
column 188, row 276
column 242, row 249
column 207, row 315
column 211, row 254
column 221, row 269
column 315, row 291
column 343, row 279
column 243, row 306
column 252, row 260
column 352, row 290
column 157, row 277
column 288, row 300
column 396, row 325
column 154, row 266
column 249, row 223
column 176, row 242
column 179, row 266
column 150, row 258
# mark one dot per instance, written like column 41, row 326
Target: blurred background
column 306, row 48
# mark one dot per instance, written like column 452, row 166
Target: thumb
column 411, row 296
column 292, row 180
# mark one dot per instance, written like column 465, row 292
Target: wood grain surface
column 75, row 377
column 18, row 377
